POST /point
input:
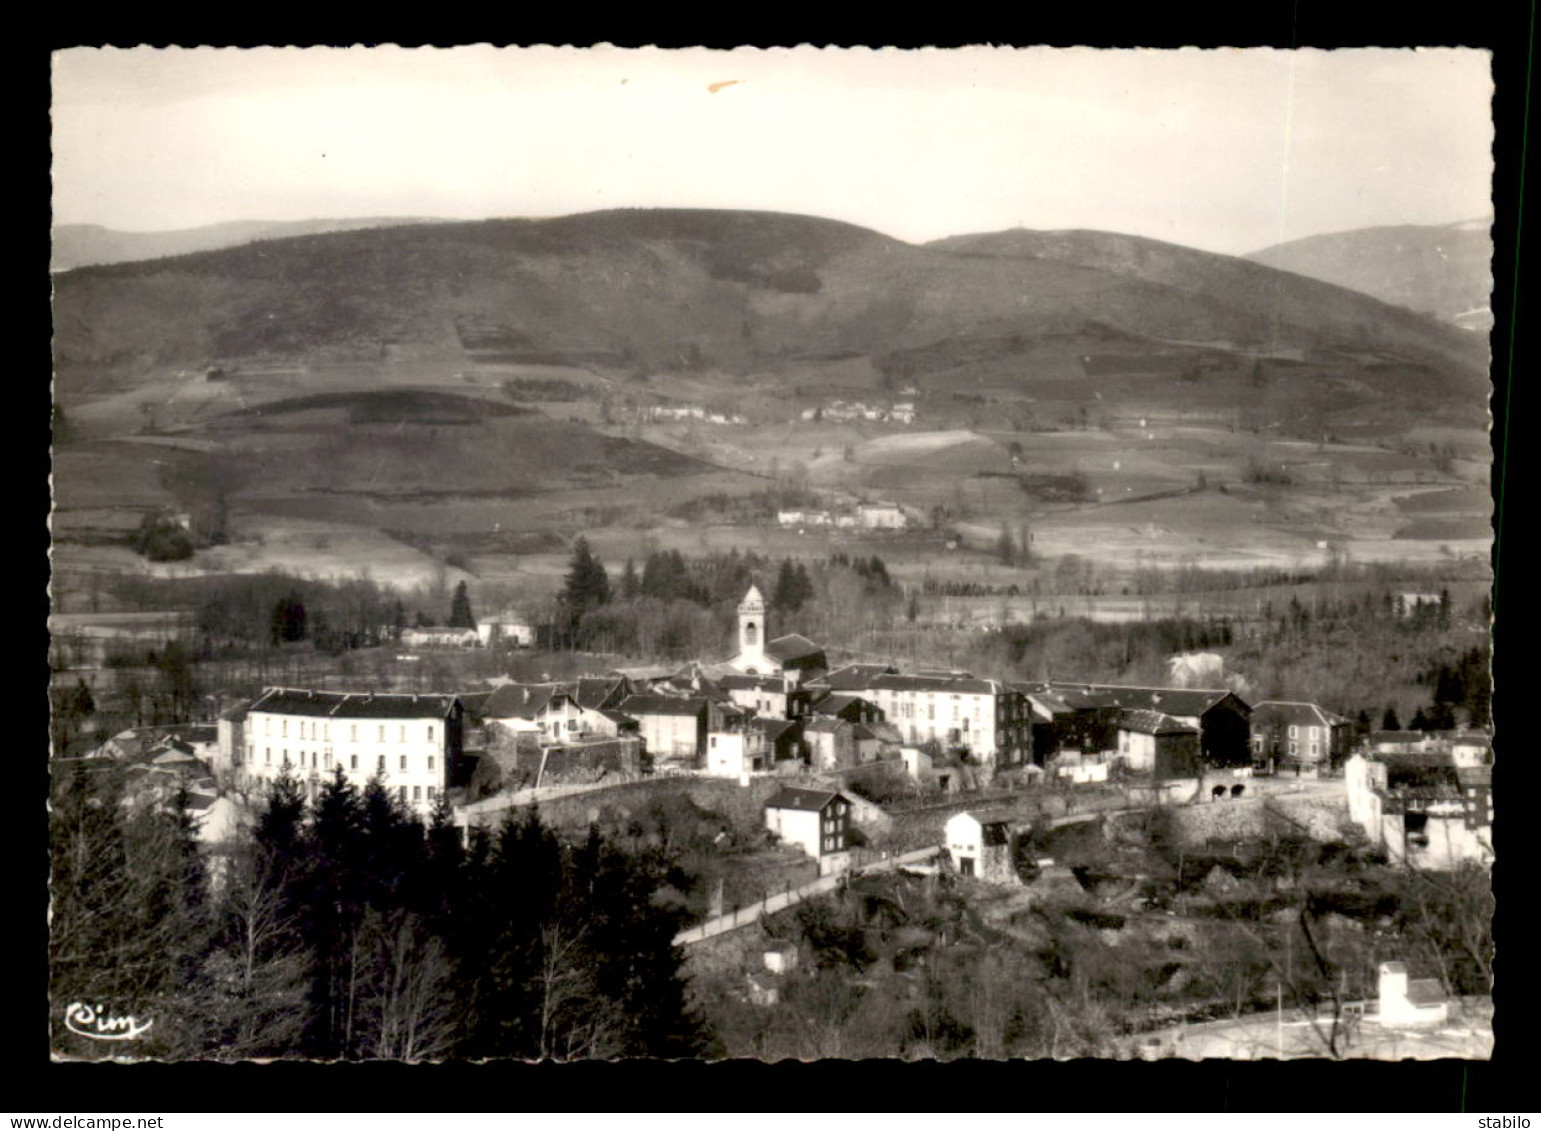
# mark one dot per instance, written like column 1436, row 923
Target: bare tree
column 412, row 1003
column 258, row 977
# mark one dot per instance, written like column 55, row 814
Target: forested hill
column 730, row 292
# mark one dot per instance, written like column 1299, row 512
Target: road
column 745, row 916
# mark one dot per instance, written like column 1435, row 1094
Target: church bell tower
column 751, row 630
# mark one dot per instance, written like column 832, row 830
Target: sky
column 1225, row 150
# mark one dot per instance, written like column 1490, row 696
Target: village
column 813, row 775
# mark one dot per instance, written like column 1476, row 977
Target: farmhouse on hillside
column 817, row 821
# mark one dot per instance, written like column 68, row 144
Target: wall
column 1451, row 842
column 672, row 736
column 1321, row 818
column 796, row 826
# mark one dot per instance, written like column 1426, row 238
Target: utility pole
column 1280, row 1018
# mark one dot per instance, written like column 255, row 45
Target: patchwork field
column 484, row 394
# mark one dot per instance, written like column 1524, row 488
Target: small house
column 845, row 705
column 979, row 845
column 1299, row 735
column 835, row 743
column 817, row 821
column 1404, row 1002
column 1155, row 743
column 737, row 752
column 440, row 638
column 671, row 727
column 765, row 695
column 542, row 709
column 783, row 741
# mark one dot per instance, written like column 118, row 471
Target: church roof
column 792, row 647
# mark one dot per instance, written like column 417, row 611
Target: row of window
column 306, row 728
column 316, row 760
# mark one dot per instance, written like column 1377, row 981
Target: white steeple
column 751, row 629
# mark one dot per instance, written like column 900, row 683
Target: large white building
column 410, row 741
column 955, row 710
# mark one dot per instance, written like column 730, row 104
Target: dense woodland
column 348, row 930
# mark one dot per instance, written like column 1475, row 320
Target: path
column 745, row 916
column 477, row 811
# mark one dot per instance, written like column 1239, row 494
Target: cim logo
column 95, row 1022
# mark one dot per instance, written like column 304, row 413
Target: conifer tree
column 587, row 587
column 785, row 597
column 460, row 615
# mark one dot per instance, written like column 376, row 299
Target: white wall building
column 736, row 753
column 410, row 741
column 956, row 710
column 882, row 516
column 1420, row 1001
column 817, row 821
column 979, row 844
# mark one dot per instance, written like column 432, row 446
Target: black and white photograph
column 584, row 553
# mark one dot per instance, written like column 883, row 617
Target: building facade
column 817, row 821
column 979, row 846
column 1299, row 735
column 410, row 741
column 956, row 711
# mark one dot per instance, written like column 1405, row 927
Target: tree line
column 677, row 607
column 346, row 928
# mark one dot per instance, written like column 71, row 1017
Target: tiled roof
column 792, row 647
column 661, row 705
column 937, row 684
column 590, row 692
column 772, row 683
column 354, row 705
column 773, row 728
column 475, row 703
column 835, row 702
column 789, row 797
column 1049, row 702
column 647, row 673
column 521, row 700
column 824, row 724
column 1270, row 712
column 1187, row 702
column 852, row 677
column 1152, row 722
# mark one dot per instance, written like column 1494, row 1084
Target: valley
column 470, row 397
